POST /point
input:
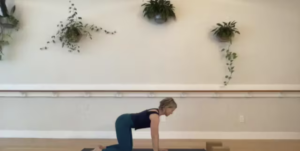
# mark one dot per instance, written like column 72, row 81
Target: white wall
column 181, row 52
column 73, row 114
column 198, row 118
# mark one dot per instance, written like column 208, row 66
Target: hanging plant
column 7, row 22
column 225, row 33
column 159, row 10
column 71, row 32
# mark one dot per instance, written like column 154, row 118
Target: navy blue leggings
column 124, row 125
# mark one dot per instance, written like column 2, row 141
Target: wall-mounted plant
column 225, row 33
column 70, row 32
column 159, row 10
column 7, row 22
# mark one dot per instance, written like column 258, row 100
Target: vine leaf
column 70, row 32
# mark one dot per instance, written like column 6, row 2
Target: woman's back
column 142, row 119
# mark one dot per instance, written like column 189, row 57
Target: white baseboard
column 146, row 135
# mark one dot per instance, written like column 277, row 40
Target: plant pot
column 6, row 22
column 159, row 19
column 76, row 39
column 74, row 35
column 224, row 39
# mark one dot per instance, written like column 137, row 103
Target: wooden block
column 91, row 149
column 220, row 148
column 209, row 145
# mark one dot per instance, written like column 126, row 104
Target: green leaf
column 2, row 42
column 13, row 9
column 219, row 24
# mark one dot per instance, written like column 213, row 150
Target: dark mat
column 90, row 149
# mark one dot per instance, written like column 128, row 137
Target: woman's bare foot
column 102, row 147
column 97, row 149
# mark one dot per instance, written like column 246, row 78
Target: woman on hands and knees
column 146, row 119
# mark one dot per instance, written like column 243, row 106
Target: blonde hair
column 167, row 103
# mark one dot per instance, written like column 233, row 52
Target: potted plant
column 225, row 33
column 159, row 10
column 7, row 22
column 71, row 32
column 7, row 19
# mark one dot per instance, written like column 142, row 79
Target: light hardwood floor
column 77, row 145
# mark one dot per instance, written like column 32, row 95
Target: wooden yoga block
column 210, row 145
column 220, row 148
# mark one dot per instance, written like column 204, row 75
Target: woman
column 145, row 119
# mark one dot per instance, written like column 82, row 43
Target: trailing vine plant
column 70, row 32
column 7, row 22
column 225, row 33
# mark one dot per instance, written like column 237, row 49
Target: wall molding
column 144, row 87
column 116, row 94
column 146, row 135
column 150, row 91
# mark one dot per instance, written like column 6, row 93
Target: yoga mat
column 90, row 149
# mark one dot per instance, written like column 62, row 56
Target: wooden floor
column 77, row 145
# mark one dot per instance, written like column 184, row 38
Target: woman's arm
column 154, row 131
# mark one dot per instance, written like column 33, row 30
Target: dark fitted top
column 142, row 119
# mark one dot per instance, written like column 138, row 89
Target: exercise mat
column 91, row 149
